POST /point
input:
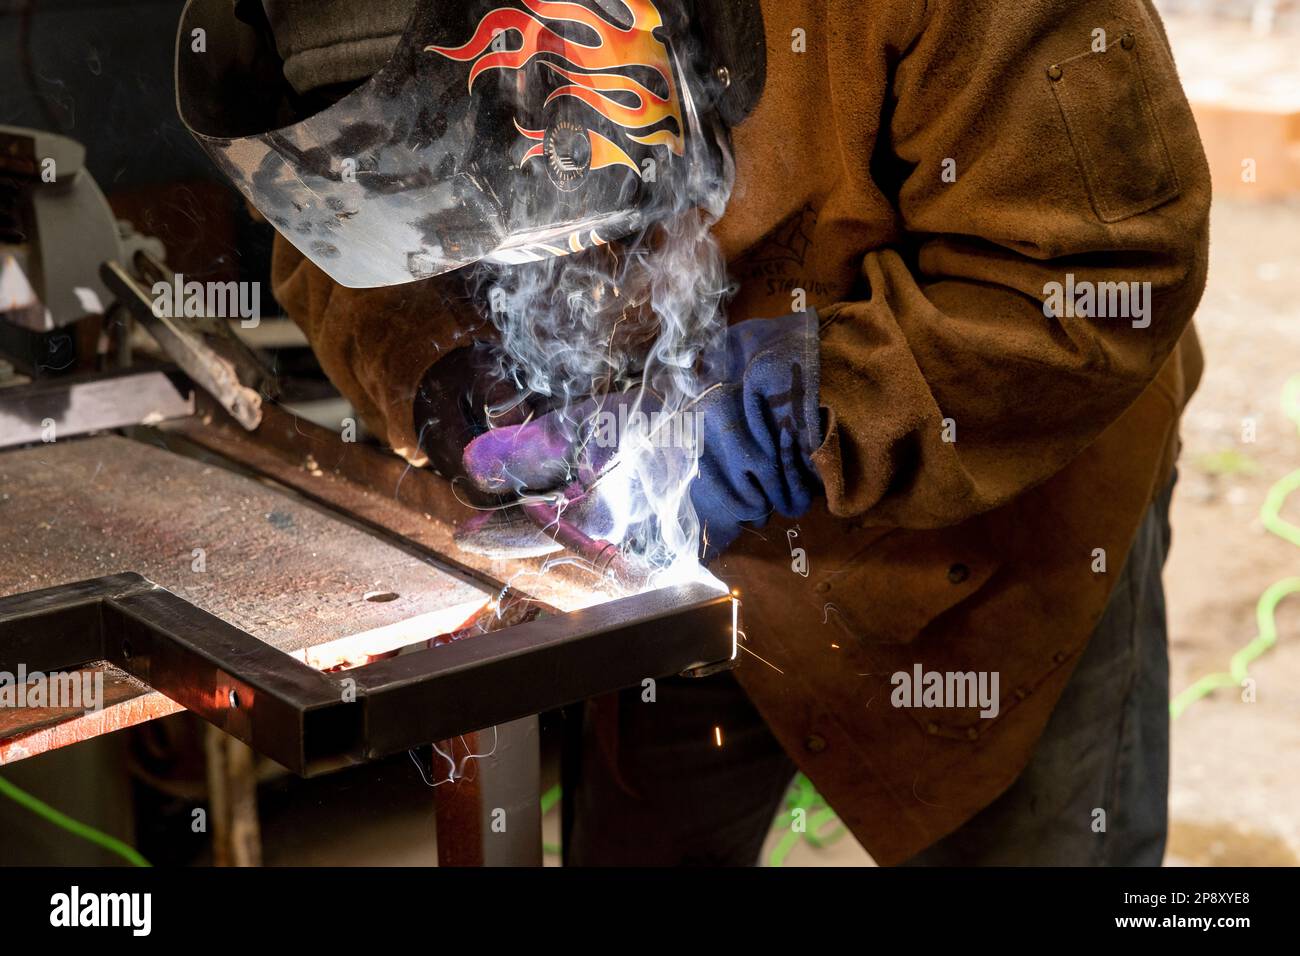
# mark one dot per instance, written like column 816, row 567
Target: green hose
column 1266, row 608
column 1265, row 615
column 817, row 817
column 75, row 827
column 549, row 799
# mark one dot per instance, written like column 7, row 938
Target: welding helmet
column 499, row 130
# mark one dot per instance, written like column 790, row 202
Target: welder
column 977, row 480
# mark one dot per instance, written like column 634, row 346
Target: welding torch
column 605, row 557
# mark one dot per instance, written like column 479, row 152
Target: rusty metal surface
column 76, row 510
column 381, row 489
column 314, row 722
column 27, row 732
column 284, row 571
column 118, row 687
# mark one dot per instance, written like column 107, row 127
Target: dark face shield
column 509, row 131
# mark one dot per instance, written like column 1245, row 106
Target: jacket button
column 972, row 733
column 958, row 573
column 1054, row 72
column 1127, row 41
column 932, row 728
column 814, row 743
column 1058, row 657
column 821, row 587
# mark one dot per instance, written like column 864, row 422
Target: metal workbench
column 246, row 576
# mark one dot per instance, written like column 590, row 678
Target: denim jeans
column 1094, row 793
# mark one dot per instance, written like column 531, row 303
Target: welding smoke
column 635, row 325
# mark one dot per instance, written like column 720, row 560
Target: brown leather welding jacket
column 920, row 172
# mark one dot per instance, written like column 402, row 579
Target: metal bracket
column 311, row 721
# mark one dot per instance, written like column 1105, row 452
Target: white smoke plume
column 639, row 322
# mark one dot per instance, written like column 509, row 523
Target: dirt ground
column 1236, row 765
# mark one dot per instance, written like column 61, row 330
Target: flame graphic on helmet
column 595, row 74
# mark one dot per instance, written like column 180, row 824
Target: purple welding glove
column 454, row 401
column 547, row 453
column 758, row 431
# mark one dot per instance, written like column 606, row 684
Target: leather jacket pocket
column 1114, row 130
column 894, row 587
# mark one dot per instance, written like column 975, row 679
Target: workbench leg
column 232, row 798
column 492, row 816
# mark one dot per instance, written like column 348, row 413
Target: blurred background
column 101, row 72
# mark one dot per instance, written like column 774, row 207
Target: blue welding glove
column 758, row 431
